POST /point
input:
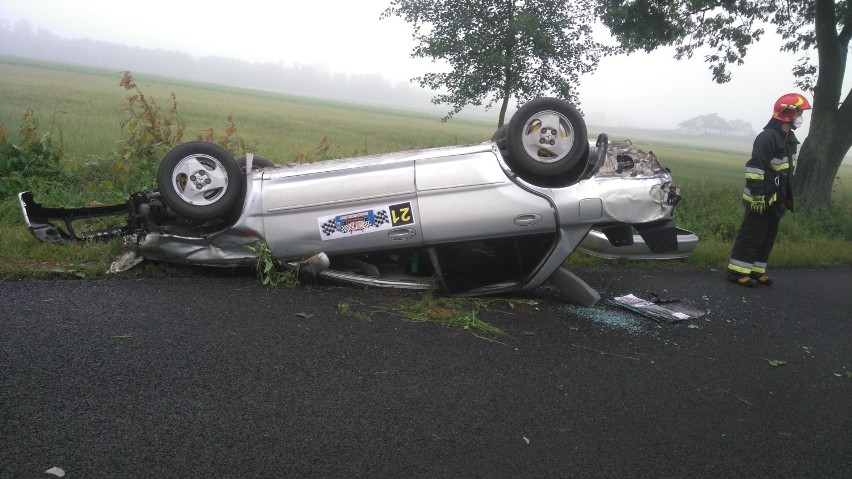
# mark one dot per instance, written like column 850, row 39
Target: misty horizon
column 316, row 81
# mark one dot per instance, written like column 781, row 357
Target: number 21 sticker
column 401, row 214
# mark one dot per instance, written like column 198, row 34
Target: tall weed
column 35, row 159
column 148, row 133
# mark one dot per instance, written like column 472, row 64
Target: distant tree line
column 23, row 40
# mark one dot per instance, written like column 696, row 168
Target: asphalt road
column 221, row 377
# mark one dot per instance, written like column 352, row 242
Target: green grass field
column 87, row 106
column 91, row 103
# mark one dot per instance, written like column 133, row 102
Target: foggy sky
column 347, row 37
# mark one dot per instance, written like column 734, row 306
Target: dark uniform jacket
column 769, row 172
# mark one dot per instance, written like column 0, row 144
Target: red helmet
column 788, row 105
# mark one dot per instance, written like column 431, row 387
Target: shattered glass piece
column 56, row 471
column 668, row 311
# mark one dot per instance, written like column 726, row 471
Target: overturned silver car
column 496, row 217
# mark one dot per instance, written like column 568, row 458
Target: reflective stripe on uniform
column 740, row 266
column 779, row 164
column 747, row 195
column 754, row 173
column 759, row 267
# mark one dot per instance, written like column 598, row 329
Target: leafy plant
column 37, row 158
column 229, row 141
column 269, row 269
column 148, row 133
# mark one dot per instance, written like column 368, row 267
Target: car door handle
column 528, row 219
column 402, row 234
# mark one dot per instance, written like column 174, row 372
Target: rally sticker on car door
column 365, row 221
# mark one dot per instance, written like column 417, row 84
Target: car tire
column 546, row 138
column 257, row 163
column 200, row 180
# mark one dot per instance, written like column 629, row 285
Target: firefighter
column 768, row 192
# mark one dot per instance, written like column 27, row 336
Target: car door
column 344, row 206
column 468, row 197
column 485, row 233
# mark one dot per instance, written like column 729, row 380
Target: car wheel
column 199, row 180
column 546, row 138
column 257, row 163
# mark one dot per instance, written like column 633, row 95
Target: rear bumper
column 597, row 244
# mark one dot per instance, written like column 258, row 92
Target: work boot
column 742, row 280
column 762, row 279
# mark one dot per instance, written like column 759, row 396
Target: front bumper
column 597, row 244
column 38, row 220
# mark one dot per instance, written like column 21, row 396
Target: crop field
column 86, row 107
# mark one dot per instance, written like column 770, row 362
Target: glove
column 788, row 203
column 758, row 204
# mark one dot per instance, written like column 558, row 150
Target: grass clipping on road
column 427, row 308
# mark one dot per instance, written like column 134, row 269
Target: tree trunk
column 509, row 44
column 830, row 135
column 822, row 152
column 503, row 108
column 820, row 158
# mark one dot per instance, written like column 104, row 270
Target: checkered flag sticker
column 328, row 227
column 381, row 217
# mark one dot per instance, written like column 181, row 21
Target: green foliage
column 229, row 140
column 710, row 210
column 35, row 160
column 428, row 308
column 456, row 312
column 21, row 256
column 269, row 269
column 499, row 49
column 148, row 134
column 729, row 29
